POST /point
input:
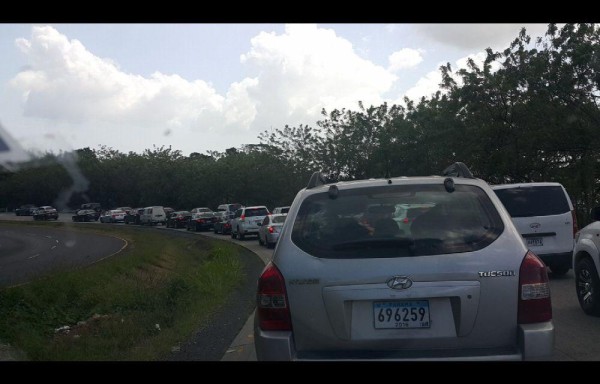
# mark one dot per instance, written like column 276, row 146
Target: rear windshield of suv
column 534, row 201
column 256, row 212
column 370, row 222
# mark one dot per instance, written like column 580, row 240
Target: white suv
column 348, row 282
column 247, row 221
column 586, row 263
column 544, row 215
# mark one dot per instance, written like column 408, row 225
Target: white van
column 545, row 218
column 153, row 215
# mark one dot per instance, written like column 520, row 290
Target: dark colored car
column 96, row 207
column 178, row 219
column 45, row 212
column 25, row 210
column 85, row 215
column 203, row 221
column 133, row 217
column 222, row 223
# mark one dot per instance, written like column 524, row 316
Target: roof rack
column 316, row 179
column 458, row 169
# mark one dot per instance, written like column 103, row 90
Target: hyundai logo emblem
column 535, row 225
column 399, row 282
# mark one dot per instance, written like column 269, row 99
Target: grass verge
column 136, row 305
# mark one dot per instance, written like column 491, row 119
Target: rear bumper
column 565, row 258
column 272, row 237
column 535, row 342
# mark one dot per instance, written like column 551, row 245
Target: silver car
column 247, row 220
column 268, row 233
column 347, row 282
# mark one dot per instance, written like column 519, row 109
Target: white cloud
column 426, row 85
column 405, row 58
column 295, row 75
column 306, row 69
column 477, row 36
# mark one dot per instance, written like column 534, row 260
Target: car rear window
column 278, row 219
column 534, row 201
column 256, row 212
column 370, row 222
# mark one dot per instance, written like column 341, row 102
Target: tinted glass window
column 369, row 222
column 256, row 212
column 279, row 219
column 534, row 201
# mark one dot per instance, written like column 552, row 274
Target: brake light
column 271, row 299
column 242, row 217
column 405, row 220
column 535, row 305
column 271, row 229
column 575, row 227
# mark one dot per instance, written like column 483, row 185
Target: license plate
column 401, row 314
column 535, row 241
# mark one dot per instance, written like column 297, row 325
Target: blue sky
column 200, row 87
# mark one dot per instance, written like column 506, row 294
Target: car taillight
column 271, row 229
column 535, row 305
column 271, row 299
column 242, row 217
column 575, row 228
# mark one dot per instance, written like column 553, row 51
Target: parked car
column 223, row 224
column 124, row 209
column 460, row 285
column 168, row 211
column 133, row 217
column 113, row 216
column 544, row 215
column 85, row 215
column 201, row 210
column 586, row 264
column 95, row 206
column 247, row 221
column 201, row 221
column 153, row 216
column 45, row 212
column 281, row 209
column 268, row 233
column 178, row 219
column 25, row 210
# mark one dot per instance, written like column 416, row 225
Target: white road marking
column 56, row 241
column 36, row 255
column 48, row 237
column 54, row 246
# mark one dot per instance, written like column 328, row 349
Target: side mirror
column 595, row 214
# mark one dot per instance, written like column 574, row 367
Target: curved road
column 27, row 253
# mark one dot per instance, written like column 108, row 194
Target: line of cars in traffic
column 229, row 219
column 44, row 212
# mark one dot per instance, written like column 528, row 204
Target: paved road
column 31, row 252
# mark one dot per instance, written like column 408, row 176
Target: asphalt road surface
column 27, row 253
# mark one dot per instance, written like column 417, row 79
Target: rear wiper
column 373, row 243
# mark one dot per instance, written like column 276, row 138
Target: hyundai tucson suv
column 544, row 216
column 455, row 283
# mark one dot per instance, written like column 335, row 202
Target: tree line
column 528, row 113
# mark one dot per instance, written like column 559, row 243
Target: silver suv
column 544, row 216
column 347, row 281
